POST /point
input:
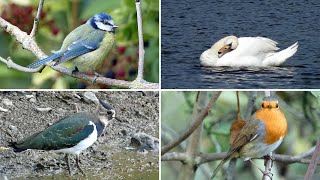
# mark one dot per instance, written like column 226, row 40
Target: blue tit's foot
column 75, row 70
column 96, row 75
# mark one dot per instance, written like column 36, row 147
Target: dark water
column 190, row 27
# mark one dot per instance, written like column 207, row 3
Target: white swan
column 246, row 51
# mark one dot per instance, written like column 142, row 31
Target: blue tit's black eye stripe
column 106, row 22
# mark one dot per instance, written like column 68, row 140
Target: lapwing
column 70, row 135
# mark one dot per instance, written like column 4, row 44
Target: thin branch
column 13, row 65
column 28, row 43
column 205, row 158
column 187, row 170
column 141, row 48
column 268, row 161
column 193, row 126
column 36, row 20
column 313, row 163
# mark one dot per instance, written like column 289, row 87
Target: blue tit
column 87, row 45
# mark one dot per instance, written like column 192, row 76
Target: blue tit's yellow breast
column 94, row 59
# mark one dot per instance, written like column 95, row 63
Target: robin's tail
column 224, row 160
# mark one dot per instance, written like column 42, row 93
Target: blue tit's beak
column 115, row 26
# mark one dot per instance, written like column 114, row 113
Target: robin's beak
column 225, row 49
column 269, row 106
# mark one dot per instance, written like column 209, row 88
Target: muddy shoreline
column 24, row 113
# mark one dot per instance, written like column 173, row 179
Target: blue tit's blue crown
column 102, row 21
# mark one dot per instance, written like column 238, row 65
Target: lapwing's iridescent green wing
column 65, row 133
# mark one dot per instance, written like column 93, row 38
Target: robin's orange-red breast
column 260, row 135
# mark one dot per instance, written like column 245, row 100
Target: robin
column 260, row 135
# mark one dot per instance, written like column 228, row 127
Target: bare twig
column 205, row 158
column 13, row 65
column 28, row 43
column 188, row 169
column 313, row 163
column 268, row 161
column 141, row 48
column 193, row 126
column 36, row 20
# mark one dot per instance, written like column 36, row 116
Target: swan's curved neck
column 209, row 58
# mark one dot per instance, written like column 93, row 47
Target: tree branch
column 28, row 43
column 141, row 47
column 202, row 158
column 193, row 126
column 313, row 163
column 36, row 20
column 187, row 170
column 268, row 161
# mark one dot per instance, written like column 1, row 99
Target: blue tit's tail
column 42, row 61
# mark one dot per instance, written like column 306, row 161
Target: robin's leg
column 268, row 157
column 262, row 171
column 68, row 164
column 78, row 166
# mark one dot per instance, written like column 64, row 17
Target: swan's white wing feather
column 256, row 46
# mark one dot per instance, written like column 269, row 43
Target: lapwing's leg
column 68, row 164
column 78, row 166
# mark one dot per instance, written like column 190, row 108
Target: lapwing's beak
column 116, row 118
column 105, row 105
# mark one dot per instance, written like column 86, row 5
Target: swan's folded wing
column 256, row 46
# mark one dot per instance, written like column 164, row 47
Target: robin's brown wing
column 248, row 133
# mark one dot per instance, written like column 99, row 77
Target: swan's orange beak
column 225, row 49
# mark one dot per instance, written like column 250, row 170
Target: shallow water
column 190, row 27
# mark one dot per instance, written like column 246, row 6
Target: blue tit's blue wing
column 84, row 45
column 50, row 58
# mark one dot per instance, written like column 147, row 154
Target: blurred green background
column 302, row 110
column 60, row 17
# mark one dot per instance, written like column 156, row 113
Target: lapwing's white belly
column 84, row 144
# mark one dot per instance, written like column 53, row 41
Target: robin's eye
column 262, row 105
column 277, row 105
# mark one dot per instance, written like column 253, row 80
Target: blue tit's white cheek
column 104, row 27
